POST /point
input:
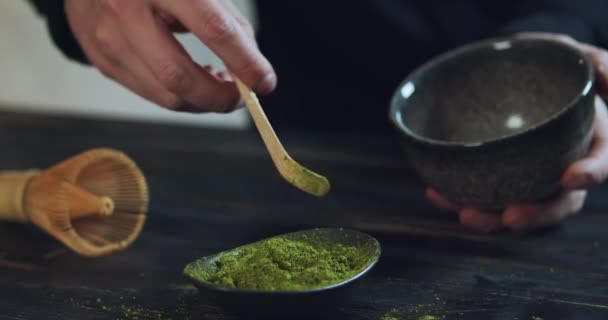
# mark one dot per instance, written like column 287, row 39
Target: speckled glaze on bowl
column 497, row 122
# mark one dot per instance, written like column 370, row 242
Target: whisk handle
column 12, row 190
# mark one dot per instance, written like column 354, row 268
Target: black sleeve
column 59, row 29
column 584, row 20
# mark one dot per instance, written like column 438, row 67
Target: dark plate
column 305, row 303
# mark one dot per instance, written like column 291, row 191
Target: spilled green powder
column 137, row 312
column 283, row 264
column 391, row 315
column 410, row 313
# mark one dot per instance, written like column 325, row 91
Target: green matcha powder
column 283, row 264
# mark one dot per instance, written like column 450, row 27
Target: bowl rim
column 395, row 111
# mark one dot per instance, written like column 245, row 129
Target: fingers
column 168, row 62
column 439, row 201
column 528, row 216
column 223, row 33
column 242, row 21
column 116, row 60
column 132, row 42
column 481, row 221
column 477, row 220
column 517, row 217
column 593, row 169
column 599, row 59
column 598, row 56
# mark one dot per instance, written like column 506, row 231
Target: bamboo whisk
column 95, row 202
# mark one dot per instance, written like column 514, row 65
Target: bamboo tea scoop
column 300, row 177
column 95, row 203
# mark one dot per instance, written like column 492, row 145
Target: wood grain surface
column 213, row 190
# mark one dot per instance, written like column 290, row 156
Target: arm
column 583, row 20
column 133, row 43
column 59, row 29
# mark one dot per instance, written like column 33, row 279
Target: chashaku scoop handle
column 12, row 190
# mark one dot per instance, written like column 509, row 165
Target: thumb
column 593, row 169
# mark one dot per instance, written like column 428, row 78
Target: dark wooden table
column 212, row 190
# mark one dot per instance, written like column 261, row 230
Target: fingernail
column 488, row 225
column 479, row 222
column 268, row 83
column 519, row 226
column 582, row 181
column 515, row 222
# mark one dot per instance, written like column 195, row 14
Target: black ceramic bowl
column 497, row 122
column 318, row 302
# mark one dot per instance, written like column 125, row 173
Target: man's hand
column 579, row 177
column 132, row 42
